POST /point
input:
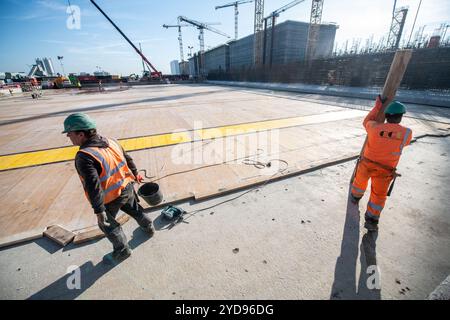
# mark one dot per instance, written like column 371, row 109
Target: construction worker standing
column 385, row 143
column 107, row 174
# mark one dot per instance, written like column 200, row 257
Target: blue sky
column 37, row 28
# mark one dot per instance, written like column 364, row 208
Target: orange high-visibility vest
column 385, row 142
column 115, row 174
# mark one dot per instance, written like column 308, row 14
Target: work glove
column 102, row 219
column 139, row 178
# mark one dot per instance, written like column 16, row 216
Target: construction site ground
column 295, row 238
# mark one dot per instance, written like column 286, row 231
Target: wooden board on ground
column 94, row 232
column 59, row 234
column 21, row 237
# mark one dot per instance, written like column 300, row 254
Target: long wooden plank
column 94, row 232
column 21, row 237
column 393, row 80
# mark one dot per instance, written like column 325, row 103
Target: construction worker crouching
column 385, row 143
column 107, row 174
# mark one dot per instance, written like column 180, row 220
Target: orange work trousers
column 380, row 180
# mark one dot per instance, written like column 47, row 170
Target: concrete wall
column 428, row 69
column 174, row 67
column 184, row 67
column 218, row 58
column 290, row 40
column 241, row 52
column 193, row 65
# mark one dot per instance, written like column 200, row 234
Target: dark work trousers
column 128, row 203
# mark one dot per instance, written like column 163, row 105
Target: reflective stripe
column 408, row 132
column 99, row 156
column 373, row 216
column 108, row 171
column 113, row 187
column 358, row 189
column 113, row 171
column 375, row 206
column 111, row 141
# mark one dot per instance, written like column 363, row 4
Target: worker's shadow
column 344, row 285
column 69, row 287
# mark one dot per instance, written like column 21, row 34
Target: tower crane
column 314, row 28
column 396, row 29
column 180, row 36
column 258, row 34
column 235, row 4
column 270, row 21
column 201, row 27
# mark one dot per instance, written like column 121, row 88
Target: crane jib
column 128, row 40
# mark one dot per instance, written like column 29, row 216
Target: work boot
column 121, row 255
column 371, row 224
column 353, row 199
column 117, row 256
column 146, row 224
column 149, row 230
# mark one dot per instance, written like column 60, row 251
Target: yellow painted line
column 34, row 158
column 231, row 130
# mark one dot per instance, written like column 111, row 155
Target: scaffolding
column 314, row 28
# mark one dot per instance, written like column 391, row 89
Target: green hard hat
column 78, row 122
column 395, row 107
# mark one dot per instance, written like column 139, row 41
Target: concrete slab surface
column 297, row 238
column 310, row 131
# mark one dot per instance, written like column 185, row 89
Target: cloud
column 61, row 42
column 102, row 49
column 52, row 5
column 147, row 40
column 108, row 48
column 95, row 51
column 40, row 11
column 30, row 16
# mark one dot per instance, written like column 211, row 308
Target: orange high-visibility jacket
column 385, row 141
column 115, row 174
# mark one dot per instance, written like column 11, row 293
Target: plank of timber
column 21, row 237
column 59, row 234
column 393, row 80
column 94, row 232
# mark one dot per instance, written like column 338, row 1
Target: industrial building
column 174, row 67
column 286, row 43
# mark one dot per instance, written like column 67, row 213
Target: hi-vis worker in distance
column 385, row 143
column 107, row 174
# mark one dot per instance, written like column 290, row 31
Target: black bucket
column 150, row 193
